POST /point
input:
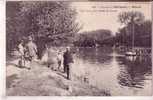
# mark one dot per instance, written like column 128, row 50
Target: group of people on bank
column 55, row 59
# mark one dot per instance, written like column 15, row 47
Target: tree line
column 54, row 23
column 94, row 38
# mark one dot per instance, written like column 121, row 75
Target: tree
column 130, row 20
column 50, row 21
column 53, row 20
column 135, row 29
column 133, row 17
column 12, row 24
column 144, row 33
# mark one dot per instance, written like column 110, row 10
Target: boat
column 130, row 53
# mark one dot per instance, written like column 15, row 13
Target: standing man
column 68, row 60
column 31, row 49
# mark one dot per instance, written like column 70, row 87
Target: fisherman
column 68, row 60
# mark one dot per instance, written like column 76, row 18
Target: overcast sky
column 93, row 15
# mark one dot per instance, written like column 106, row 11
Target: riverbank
column 42, row 81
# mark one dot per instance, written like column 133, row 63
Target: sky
column 104, row 15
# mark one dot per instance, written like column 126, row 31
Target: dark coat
column 67, row 58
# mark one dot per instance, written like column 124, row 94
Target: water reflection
column 133, row 73
column 94, row 55
column 108, row 70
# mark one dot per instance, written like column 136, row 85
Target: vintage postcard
column 79, row 48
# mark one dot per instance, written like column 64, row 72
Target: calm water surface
column 113, row 72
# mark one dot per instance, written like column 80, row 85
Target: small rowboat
column 130, row 53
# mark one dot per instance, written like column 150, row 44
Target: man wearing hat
column 68, row 60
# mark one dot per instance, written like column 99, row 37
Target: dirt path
column 42, row 81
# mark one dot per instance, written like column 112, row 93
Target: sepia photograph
column 63, row 48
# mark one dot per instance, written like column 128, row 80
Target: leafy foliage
column 131, row 17
column 134, row 25
column 53, row 22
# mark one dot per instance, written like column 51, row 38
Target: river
column 117, row 74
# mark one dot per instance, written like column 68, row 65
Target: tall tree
column 130, row 20
column 141, row 30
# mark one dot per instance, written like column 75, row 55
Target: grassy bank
column 42, row 81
